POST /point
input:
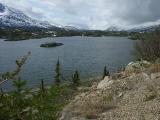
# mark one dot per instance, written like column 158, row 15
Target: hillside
column 13, row 18
column 133, row 94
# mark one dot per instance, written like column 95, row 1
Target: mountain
column 114, row 28
column 151, row 28
column 70, row 28
column 140, row 28
column 13, row 18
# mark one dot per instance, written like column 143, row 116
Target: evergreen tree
column 105, row 72
column 58, row 74
column 19, row 85
column 42, row 86
column 76, row 78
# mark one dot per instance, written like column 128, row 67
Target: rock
column 117, row 75
column 120, row 94
column 138, row 65
column 26, row 109
column 48, row 45
column 157, row 61
column 29, row 96
column 144, row 62
column 131, row 67
column 66, row 114
column 35, row 111
column 35, row 90
column 155, row 75
column 104, row 84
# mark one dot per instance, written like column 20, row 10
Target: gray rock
column 132, row 66
column 105, row 84
column 155, row 75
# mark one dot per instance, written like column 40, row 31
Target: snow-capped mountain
column 70, row 28
column 13, row 18
column 145, row 28
column 136, row 28
column 114, row 28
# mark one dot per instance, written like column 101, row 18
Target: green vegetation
column 105, row 72
column 149, row 48
column 30, row 105
column 26, row 34
column 136, row 36
column 44, row 103
column 48, row 45
column 42, row 86
column 58, row 73
column 76, row 79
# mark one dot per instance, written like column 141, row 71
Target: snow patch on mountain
column 13, row 18
column 3, row 10
column 4, row 13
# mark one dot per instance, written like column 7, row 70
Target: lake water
column 87, row 54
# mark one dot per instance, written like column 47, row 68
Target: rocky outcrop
column 136, row 66
column 106, row 83
column 155, row 76
column 135, row 97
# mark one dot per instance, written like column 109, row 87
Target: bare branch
column 11, row 75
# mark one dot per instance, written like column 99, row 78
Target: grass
column 38, row 103
column 29, row 105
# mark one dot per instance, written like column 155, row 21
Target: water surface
column 87, row 54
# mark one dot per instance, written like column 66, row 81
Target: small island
column 53, row 44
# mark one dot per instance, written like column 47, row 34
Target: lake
column 89, row 55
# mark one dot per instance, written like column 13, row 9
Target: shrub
column 58, row 73
column 11, row 75
column 105, row 72
column 19, row 85
column 148, row 49
column 76, row 79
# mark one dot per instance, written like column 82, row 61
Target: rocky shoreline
column 132, row 94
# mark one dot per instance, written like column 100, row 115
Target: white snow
column 4, row 13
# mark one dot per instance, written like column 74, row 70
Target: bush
column 105, row 72
column 58, row 73
column 76, row 79
column 148, row 49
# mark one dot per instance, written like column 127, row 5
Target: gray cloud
column 139, row 11
column 93, row 14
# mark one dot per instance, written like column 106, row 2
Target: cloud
column 92, row 14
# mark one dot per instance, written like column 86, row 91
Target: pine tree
column 58, row 74
column 105, row 72
column 42, row 86
column 76, row 78
column 19, row 85
column 42, row 89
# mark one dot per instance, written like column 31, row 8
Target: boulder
column 138, row 65
column 105, row 84
column 155, row 75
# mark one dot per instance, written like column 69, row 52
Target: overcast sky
column 91, row 14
